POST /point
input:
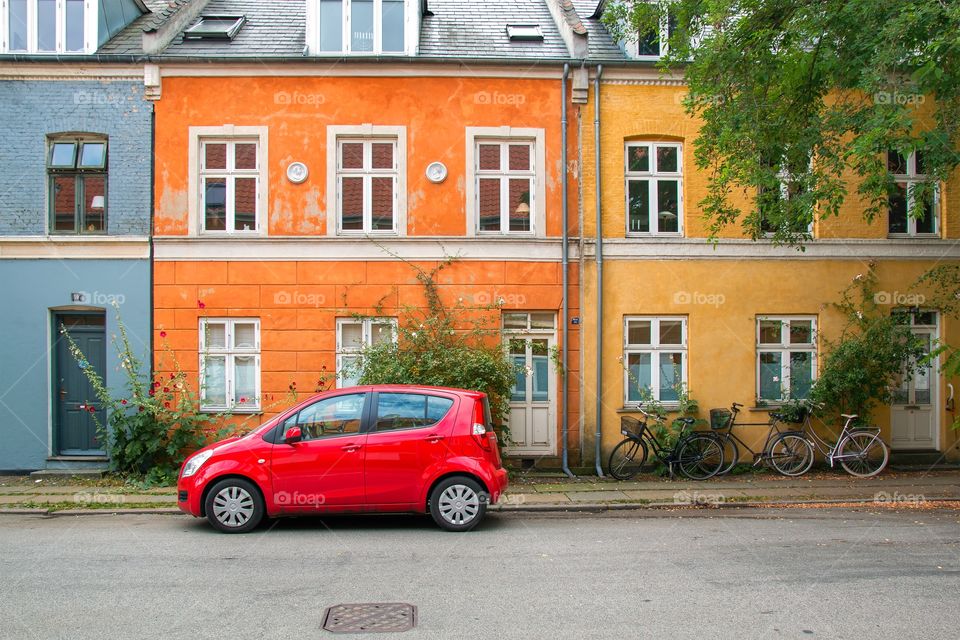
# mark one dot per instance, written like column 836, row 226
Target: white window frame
column 653, row 177
column 345, row 352
column 785, row 179
column 654, row 349
column 367, row 133
column 90, row 27
column 195, row 195
column 367, row 175
column 411, row 30
column 230, row 353
column 632, row 47
column 477, row 135
column 785, row 348
column 910, row 178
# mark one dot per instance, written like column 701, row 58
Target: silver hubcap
column 459, row 504
column 233, row 506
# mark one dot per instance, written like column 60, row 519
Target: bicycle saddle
column 848, row 415
column 777, row 416
column 686, row 420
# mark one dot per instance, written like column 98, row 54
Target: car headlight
column 193, row 464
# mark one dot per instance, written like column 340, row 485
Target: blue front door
column 75, row 402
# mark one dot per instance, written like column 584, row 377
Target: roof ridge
column 570, row 14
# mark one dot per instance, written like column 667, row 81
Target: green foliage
column 155, row 424
column 808, row 94
column 456, row 346
column 875, row 348
column 943, row 281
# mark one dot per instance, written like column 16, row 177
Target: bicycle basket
column 720, row 418
column 630, row 426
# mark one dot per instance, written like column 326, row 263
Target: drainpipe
column 153, row 170
column 596, row 159
column 565, row 262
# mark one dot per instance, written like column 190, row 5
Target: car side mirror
column 293, row 435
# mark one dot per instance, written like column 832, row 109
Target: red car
column 384, row 448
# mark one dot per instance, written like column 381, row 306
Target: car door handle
column 350, row 448
column 434, row 438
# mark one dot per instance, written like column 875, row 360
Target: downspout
column 153, row 168
column 565, row 262
column 599, row 252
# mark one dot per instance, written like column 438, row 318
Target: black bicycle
column 786, row 451
column 697, row 455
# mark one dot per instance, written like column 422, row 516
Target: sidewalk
column 892, row 488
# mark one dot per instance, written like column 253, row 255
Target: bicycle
column 859, row 450
column 785, row 451
column 699, row 456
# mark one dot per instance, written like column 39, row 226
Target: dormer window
column 44, row 26
column 653, row 44
column 360, row 26
column 215, row 28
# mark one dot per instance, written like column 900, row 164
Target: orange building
column 303, row 173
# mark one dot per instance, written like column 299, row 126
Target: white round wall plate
column 436, row 172
column 297, row 172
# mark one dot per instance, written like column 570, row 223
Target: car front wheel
column 458, row 503
column 234, row 505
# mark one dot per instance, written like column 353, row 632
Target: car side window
column 331, row 417
column 409, row 410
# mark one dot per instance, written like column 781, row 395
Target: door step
column 80, row 466
column 924, row 458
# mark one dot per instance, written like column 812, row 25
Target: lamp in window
column 667, row 215
column 97, row 202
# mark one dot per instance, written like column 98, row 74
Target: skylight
column 215, row 28
column 530, row 32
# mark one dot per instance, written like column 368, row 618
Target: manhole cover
column 374, row 617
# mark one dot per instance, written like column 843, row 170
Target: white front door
column 533, row 397
column 913, row 414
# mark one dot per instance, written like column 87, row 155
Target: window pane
column 382, row 155
column 520, row 204
column 667, row 159
column 215, row 335
column 515, row 321
column 245, row 381
column 351, row 335
column 925, row 317
column 770, row 376
column 392, row 25
column 489, row 157
column 215, row 204
column 770, row 332
column 437, row 408
column 639, row 205
column 920, row 165
column 349, row 376
column 648, row 43
column 671, row 332
column 351, row 155
column 63, row 155
column 74, row 26
column 361, row 24
column 668, row 200
column 381, row 332
column 638, row 367
column 331, row 25
column 542, row 320
column 351, row 206
column 638, row 158
column 214, row 390
column 404, row 411
column 519, row 391
column 926, row 218
column 896, row 163
column 671, row 374
column 382, row 206
column 245, row 204
column 331, row 417
column 541, row 371
column 215, row 155
column 638, row 332
column 93, row 155
column 489, row 206
column 94, row 203
column 245, row 335
column 18, row 25
column 64, row 199
column 801, row 374
column 801, row 332
column 47, row 25
column 518, row 157
column 245, row 156
column 898, row 209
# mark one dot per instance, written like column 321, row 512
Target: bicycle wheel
column 790, row 454
column 863, row 454
column 700, row 456
column 731, row 454
column 627, row 459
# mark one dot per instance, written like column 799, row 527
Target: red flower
column 166, row 389
column 123, row 402
column 242, row 400
column 156, row 384
column 163, row 334
column 201, row 304
column 166, row 404
column 151, row 392
column 171, row 376
column 91, row 410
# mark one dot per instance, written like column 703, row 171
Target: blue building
column 75, row 202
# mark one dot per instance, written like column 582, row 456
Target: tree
column 797, row 96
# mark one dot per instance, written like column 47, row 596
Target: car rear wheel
column 234, row 505
column 458, row 503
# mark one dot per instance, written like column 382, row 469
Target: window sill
column 249, row 411
column 669, row 406
column 912, row 236
column 646, row 234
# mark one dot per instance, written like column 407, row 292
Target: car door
column 323, row 471
column 408, row 438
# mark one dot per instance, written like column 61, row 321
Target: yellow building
column 740, row 321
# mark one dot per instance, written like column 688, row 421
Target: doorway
column 75, row 404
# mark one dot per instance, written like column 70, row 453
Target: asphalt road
column 684, row 574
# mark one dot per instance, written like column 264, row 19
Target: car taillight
column 479, row 428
